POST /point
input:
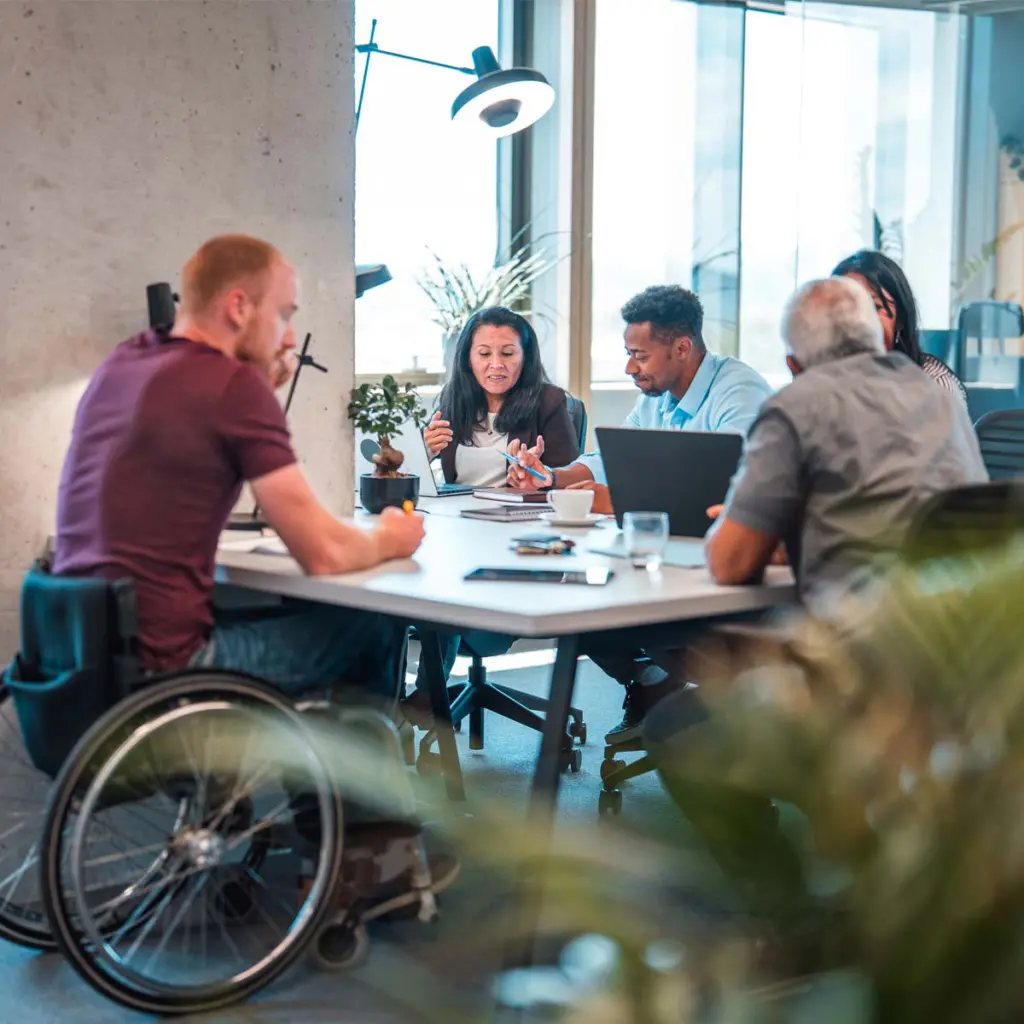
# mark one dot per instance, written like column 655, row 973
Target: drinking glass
column 646, row 534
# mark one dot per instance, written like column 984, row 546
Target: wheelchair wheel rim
column 182, row 884
column 23, row 796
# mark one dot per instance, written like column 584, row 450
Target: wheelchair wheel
column 172, row 856
column 23, row 795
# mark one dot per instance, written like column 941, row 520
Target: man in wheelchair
column 171, row 425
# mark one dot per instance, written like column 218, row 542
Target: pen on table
column 528, row 469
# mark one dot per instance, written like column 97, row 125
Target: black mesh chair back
column 991, row 370
column 967, row 519
column 1001, row 436
column 578, row 415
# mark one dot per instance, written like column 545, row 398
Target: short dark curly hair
column 671, row 310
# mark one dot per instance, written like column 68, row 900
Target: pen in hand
column 527, row 469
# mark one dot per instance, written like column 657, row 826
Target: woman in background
column 897, row 310
column 497, row 392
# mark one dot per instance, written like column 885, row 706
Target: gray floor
column 43, row 988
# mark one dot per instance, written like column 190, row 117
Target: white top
column 429, row 586
column 480, row 464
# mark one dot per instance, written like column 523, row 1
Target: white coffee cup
column 574, row 505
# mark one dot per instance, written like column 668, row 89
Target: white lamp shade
column 504, row 102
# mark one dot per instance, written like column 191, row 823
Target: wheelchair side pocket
column 56, row 708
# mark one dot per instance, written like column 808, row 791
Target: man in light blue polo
column 685, row 387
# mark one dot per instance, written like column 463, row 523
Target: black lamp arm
column 371, row 48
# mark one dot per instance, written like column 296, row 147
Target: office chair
column 1001, row 437
column 994, row 379
column 478, row 695
column 578, row 415
column 966, row 519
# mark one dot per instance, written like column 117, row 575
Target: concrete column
column 131, row 132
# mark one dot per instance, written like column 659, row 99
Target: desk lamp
column 502, row 101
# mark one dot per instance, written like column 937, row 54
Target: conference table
column 637, row 607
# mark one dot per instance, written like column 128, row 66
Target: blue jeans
column 301, row 646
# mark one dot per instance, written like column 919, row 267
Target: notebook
column 509, row 494
column 503, row 513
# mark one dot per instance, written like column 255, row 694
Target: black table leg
column 519, row 952
column 544, row 794
column 440, row 706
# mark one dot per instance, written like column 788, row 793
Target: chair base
column 477, row 696
column 615, row 772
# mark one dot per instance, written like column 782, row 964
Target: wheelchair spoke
column 31, row 859
column 267, row 821
column 134, row 919
column 113, row 858
column 259, row 880
column 186, row 904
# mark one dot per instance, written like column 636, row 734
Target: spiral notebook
column 505, row 513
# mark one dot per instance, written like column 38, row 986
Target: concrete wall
column 129, row 133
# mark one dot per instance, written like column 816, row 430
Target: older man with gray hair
column 839, row 462
column 835, row 468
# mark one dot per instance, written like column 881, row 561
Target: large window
column 741, row 152
column 666, row 163
column 422, row 187
column 849, row 139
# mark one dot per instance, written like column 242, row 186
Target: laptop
column 409, row 441
column 680, row 472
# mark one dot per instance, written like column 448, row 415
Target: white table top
column 429, row 587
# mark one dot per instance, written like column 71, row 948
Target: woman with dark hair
column 897, row 310
column 497, row 392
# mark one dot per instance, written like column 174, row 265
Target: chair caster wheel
column 578, row 731
column 572, row 760
column 428, row 763
column 610, row 767
column 609, row 802
column 340, row 947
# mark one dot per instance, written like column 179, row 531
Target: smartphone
column 543, row 544
column 594, row 576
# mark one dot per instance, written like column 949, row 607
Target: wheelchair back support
column 76, row 659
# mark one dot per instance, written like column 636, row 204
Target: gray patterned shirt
column 839, row 463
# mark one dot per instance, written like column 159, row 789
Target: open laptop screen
column 681, row 472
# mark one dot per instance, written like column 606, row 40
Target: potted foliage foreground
column 381, row 410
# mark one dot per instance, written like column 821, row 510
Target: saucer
column 589, row 520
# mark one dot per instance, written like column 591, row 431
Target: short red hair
column 222, row 263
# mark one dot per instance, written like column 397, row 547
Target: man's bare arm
column 736, row 553
column 317, row 540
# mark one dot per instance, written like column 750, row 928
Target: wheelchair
column 182, row 839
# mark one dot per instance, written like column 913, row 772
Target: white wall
column 129, row 133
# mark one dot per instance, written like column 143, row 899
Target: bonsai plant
column 381, row 410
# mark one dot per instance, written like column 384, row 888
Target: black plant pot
column 377, row 492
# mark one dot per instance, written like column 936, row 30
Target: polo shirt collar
column 696, row 394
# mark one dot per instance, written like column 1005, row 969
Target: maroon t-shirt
column 164, row 437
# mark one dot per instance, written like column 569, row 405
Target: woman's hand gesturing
column 438, row 435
